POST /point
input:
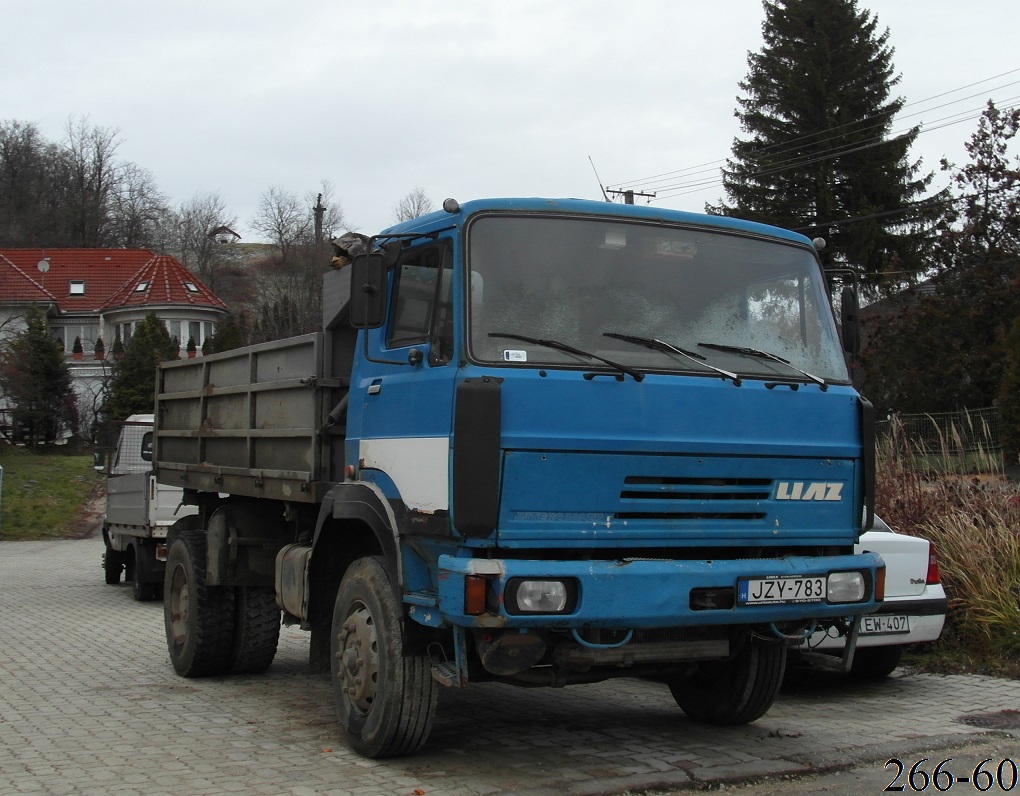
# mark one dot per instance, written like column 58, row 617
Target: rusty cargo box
column 251, row 421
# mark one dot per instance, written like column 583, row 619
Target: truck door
column 401, row 424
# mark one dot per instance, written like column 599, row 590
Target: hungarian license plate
column 884, row 625
column 779, row 590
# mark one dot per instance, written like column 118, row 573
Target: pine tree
column 37, row 384
column 819, row 156
column 133, row 387
column 228, row 336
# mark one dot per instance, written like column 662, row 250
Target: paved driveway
column 90, row 704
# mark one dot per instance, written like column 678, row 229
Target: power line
column 684, row 187
column 778, row 165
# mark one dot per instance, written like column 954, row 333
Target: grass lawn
column 43, row 495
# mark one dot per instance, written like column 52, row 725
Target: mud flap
column 851, row 645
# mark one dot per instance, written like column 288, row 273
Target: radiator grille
column 674, row 498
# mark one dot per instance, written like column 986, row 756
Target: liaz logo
column 809, row 490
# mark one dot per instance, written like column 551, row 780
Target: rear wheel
column 385, row 701
column 146, row 584
column 736, row 691
column 256, row 630
column 113, row 565
column 199, row 619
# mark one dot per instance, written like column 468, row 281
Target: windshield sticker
column 514, row 355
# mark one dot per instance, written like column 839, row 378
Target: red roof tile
column 110, row 278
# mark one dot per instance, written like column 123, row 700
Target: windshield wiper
column 634, row 374
column 754, row 352
column 662, row 345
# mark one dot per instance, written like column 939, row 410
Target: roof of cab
column 441, row 219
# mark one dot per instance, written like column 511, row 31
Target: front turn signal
column 475, row 588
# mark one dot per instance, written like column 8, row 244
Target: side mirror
column 146, row 453
column 392, row 252
column 848, row 310
column 368, row 291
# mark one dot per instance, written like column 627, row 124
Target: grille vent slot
column 668, row 494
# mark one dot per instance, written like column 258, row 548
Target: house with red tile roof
column 88, row 294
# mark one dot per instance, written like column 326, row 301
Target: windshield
column 592, row 286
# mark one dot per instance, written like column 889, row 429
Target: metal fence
column 964, row 431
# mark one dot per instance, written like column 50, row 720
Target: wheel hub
column 359, row 658
column 179, row 603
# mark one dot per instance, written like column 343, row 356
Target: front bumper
column 644, row 593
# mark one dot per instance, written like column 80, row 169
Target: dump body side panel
column 248, row 422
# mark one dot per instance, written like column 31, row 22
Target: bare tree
column 284, row 219
column 26, row 166
column 290, row 281
column 136, row 209
column 91, row 177
column 75, row 193
column 190, row 237
column 414, row 204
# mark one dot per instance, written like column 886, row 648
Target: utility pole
column 318, row 210
column 629, row 194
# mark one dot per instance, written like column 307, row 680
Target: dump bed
column 252, row 421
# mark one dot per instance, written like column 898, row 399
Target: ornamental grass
column 962, row 502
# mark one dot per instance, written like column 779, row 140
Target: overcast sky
column 465, row 99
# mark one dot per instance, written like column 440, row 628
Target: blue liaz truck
column 540, row 442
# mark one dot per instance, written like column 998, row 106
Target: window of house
column 76, row 287
column 141, row 287
column 86, row 332
column 191, row 287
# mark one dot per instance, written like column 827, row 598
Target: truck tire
column 736, row 691
column 199, row 619
column 385, row 701
column 113, row 565
column 256, row 629
column 873, row 663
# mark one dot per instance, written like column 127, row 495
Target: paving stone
column 90, row 704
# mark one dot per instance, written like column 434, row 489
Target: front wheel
column 385, row 700
column 736, row 691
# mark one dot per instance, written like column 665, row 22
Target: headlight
column 525, row 596
column 846, row 587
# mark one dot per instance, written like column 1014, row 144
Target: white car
column 914, row 610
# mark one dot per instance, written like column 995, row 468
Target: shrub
column 973, row 520
column 979, row 550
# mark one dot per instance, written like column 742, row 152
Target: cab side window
column 421, row 311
